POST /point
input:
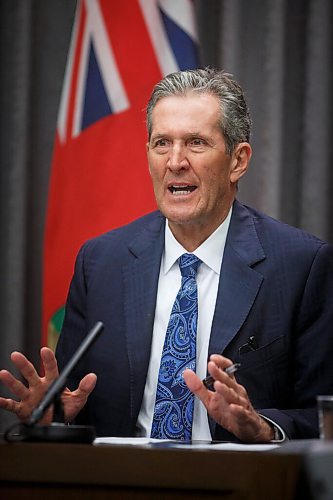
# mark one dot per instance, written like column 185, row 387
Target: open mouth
column 181, row 190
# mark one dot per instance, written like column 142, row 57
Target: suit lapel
column 239, row 282
column 140, row 277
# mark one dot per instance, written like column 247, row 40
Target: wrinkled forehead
column 201, row 107
column 187, row 95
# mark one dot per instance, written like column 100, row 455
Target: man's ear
column 147, row 151
column 240, row 161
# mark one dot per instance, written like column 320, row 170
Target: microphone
column 59, row 384
column 59, row 431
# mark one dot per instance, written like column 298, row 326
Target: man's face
column 194, row 178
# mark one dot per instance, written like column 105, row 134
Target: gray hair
column 235, row 120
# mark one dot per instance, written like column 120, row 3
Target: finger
column 21, row 411
column 74, row 401
column 194, row 383
column 26, row 368
column 87, row 384
column 220, row 361
column 50, row 364
column 232, row 392
column 15, row 385
column 7, row 404
column 218, row 373
column 230, row 395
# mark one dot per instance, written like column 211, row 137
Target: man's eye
column 160, row 143
column 197, row 141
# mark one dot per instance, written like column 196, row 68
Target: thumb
column 74, row 401
column 87, row 385
column 195, row 385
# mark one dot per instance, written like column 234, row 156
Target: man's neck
column 192, row 234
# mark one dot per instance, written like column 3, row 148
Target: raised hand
column 229, row 405
column 28, row 397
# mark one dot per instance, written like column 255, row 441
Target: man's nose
column 177, row 158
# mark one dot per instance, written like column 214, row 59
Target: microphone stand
column 58, row 431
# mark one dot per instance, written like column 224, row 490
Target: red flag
column 99, row 175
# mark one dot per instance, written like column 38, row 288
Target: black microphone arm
column 59, row 384
column 57, row 431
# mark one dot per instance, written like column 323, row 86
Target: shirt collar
column 210, row 252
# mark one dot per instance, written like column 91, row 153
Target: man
column 265, row 290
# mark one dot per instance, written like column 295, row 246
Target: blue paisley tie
column 173, row 413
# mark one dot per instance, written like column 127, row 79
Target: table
column 297, row 470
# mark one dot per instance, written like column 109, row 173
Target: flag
column 99, row 175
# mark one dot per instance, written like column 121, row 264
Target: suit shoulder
column 124, row 235
column 286, row 243
column 271, row 227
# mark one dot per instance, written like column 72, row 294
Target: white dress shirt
column 211, row 255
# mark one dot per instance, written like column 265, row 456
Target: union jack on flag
column 99, row 176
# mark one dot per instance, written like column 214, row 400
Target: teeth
column 181, row 190
column 179, row 193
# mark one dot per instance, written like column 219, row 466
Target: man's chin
column 180, row 218
column 182, row 214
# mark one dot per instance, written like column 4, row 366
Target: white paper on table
column 126, row 440
column 139, row 441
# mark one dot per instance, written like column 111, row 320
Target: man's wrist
column 267, row 431
column 277, row 433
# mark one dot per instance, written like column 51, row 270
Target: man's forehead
column 188, row 97
column 198, row 107
column 191, row 114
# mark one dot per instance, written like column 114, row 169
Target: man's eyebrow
column 197, row 134
column 186, row 136
column 202, row 135
column 155, row 137
column 158, row 135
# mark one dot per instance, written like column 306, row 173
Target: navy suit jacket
column 276, row 286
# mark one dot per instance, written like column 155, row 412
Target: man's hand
column 29, row 396
column 229, row 405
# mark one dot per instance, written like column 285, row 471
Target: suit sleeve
column 312, row 351
column 74, row 327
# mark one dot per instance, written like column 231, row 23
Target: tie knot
column 189, row 264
